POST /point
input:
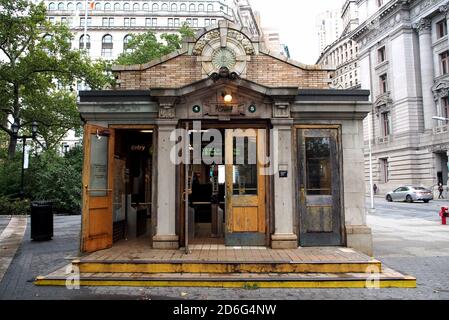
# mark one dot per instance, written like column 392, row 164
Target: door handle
column 303, row 194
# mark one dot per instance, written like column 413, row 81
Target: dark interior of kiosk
column 132, row 184
column 207, row 198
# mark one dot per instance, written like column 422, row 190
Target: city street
column 407, row 237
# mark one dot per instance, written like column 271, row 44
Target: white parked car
column 410, row 194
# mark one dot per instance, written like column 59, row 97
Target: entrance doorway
column 226, row 197
column 133, row 184
column 319, row 201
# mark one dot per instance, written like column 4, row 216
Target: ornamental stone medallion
column 224, row 47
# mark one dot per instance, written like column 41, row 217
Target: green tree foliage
column 50, row 176
column 143, row 48
column 38, row 72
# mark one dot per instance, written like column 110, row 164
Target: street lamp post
column 370, row 147
column 15, row 131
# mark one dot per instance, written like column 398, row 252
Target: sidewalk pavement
column 10, row 240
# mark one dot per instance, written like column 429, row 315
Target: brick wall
column 174, row 73
column 184, row 70
column 272, row 72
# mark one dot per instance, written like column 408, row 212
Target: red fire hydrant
column 444, row 214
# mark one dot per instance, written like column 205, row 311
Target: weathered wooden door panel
column 245, row 189
column 319, row 200
column 97, row 220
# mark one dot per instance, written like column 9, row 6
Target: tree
column 38, row 69
column 145, row 47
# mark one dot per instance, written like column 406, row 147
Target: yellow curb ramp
column 225, row 267
column 404, row 282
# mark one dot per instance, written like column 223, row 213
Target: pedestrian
column 441, row 190
column 375, row 188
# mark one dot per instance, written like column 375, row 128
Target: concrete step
column 388, row 278
column 225, row 267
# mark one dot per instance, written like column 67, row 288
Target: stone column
column 284, row 195
column 165, row 237
column 424, row 28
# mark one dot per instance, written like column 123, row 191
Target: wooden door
column 97, row 219
column 245, row 189
column 319, row 187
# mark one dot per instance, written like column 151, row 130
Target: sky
column 295, row 20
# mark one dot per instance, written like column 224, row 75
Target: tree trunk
column 12, row 147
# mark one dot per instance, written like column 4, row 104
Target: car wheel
column 426, row 201
column 409, row 199
column 389, row 199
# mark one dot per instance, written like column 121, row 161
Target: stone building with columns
column 404, row 62
column 224, row 96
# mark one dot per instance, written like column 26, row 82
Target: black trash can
column 41, row 220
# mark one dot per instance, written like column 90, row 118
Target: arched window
column 210, row 8
column 107, row 6
column 70, row 6
column 201, row 7
column 155, row 7
column 106, row 46
column 192, row 7
column 183, row 7
column 52, row 6
column 79, row 6
column 136, row 7
column 116, row 6
column 60, row 6
column 81, row 43
column 174, row 7
column 126, row 6
column 98, row 6
column 164, row 7
column 145, row 7
column 126, row 40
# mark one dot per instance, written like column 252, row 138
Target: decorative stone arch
column 225, row 45
column 440, row 89
column 383, row 104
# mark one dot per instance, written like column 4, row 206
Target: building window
column 164, row 7
column 170, row 22
column 195, row 22
column 148, row 22
column 445, row 108
column 380, row 3
column 106, row 46
column 206, row 22
column 384, row 172
column 210, row 8
column 201, row 7
column 192, row 7
column 383, row 83
column 381, row 57
column 441, row 28
column 177, row 23
column 386, row 124
column 79, row 6
column 126, row 6
column 444, row 61
column 183, row 7
column 116, row 6
column 155, row 7
column 136, row 7
column 51, row 6
column 107, row 6
column 108, row 22
column 70, row 6
column 81, row 42
column 146, row 7
column 174, row 7
column 126, row 41
column 130, row 22
column 60, row 6
column 98, row 6
column 82, row 21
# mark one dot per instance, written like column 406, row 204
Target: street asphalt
column 407, row 237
